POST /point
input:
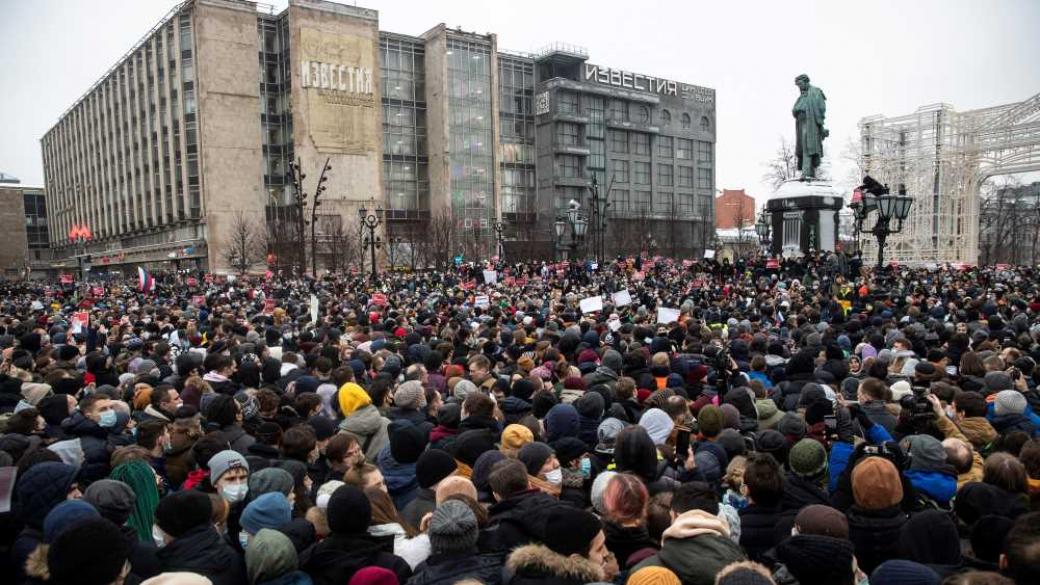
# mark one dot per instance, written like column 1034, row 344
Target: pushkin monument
column 809, row 112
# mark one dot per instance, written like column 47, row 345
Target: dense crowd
column 642, row 422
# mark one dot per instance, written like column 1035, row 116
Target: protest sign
column 591, row 304
column 621, row 298
column 481, row 301
column 490, row 277
column 666, row 315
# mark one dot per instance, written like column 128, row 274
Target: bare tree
column 784, row 166
column 246, row 242
column 441, row 243
column 340, row 242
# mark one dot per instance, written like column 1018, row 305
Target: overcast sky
column 869, row 57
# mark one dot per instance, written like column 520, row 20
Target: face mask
column 157, row 536
column 234, row 493
column 554, row 477
column 108, row 419
column 243, row 539
column 586, row 467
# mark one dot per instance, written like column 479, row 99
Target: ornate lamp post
column 499, row 228
column 874, row 196
column 574, row 218
column 369, row 222
column 762, row 228
column 599, row 219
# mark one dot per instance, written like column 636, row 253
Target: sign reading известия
column 647, row 83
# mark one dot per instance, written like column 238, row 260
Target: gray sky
column 878, row 57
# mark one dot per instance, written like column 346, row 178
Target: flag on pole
column 145, row 281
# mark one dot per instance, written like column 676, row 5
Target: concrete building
column 734, row 209
column 25, row 224
column 189, row 140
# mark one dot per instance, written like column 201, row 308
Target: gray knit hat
column 220, row 463
column 464, row 388
column 112, row 498
column 453, row 528
column 410, row 395
column 1009, row 402
column 270, row 480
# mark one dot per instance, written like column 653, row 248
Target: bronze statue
column 809, row 111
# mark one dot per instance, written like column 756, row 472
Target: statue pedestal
column 804, row 217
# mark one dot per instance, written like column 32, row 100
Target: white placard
column 709, row 254
column 591, row 304
column 481, row 301
column 666, row 315
column 314, row 308
column 621, row 298
column 490, row 277
column 614, row 325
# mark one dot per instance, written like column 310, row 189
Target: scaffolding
column 943, row 157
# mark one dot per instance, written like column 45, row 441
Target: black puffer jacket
column 334, row 560
column 449, row 569
column 96, row 447
column 798, row 493
column 624, row 541
column 875, row 535
column 201, row 550
column 518, row 520
column 789, row 392
column 758, row 530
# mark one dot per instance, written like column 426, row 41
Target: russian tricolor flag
column 145, row 281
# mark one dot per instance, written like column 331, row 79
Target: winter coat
column 369, row 428
column 144, row 562
column 448, row 569
column 695, row 547
column 878, row 413
column 758, row 529
column 514, row 409
column 416, row 417
column 290, row 578
column 1007, row 423
column 441, row 436
column 400, row 479
column 789, row 392
column 334, row 560
column 37, row 491
column 423, row 503
column 938, row 486
column 96, row 448
column 875, row 535
column 602, row 375
column 536, row 564
column 413, row 550
column 518, row 520
column 624, row 541
column 238, row 438
column 798, row 493
column 201, row 550
column 978, row 431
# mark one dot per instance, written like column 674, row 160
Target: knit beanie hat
column 653, row 576
column 772, row 442
column 570, row 531
column 730, row 416
column 792, row 426
column 349, row 511
column 997, row 381
column 453, row 528
column 463, row 389
column 657, row 424
column 351, row 397
column 177, row 578
column 410, row 395
column 374, row 576
column 768, row 414
column 321, row 500
column 823, row 521
column 599, row 487
column 561, row 421
column 568, row 449
column 1009, row 402
column 807, row 459
column 876, row 484
column 224, row 461
column 92, row 552
column 407, row 441
column 817, row 560
column 732, row 442
column 268, row 511
column 533, row 456
column 709, row 421
column 471, row 444
column 270, row 480
column 514, row 437
column 64, row 515
column 900, row 572
column 433, row 466
column 590, row 405
column 926, row 453
column 181, row 511
column 323, row 426
column 542, row 403
column 113, row 499
column 745, row 573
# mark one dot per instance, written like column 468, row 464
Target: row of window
column 569, row 102
column 640, row 174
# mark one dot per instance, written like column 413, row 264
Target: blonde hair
column 735, row 472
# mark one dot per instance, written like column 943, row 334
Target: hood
column 540, row 560
column 339, row 555
column 364, row 421
column 80, row 426
column 605, row 372
column 697, row 560
column 696, row 523
column 270, row 555
column 398, row 476
column 978, row 431
column 199, row 550
column 514, row 405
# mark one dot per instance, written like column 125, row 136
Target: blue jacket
column 400, row 479
column 838, row 459
column 761, row 377
column 1008, row 423
column 939, row 486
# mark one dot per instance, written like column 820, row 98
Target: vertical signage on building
column 541, row 103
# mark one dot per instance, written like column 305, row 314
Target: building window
column 567, row 102
column 684, row 149
column 704, row 178
column 641, row 202
column 594, row 108
column 640, row 113
column 620, row 168
column 570, row 166
column 641, row 173
column 666, row 118
column 684, row 204
column 597, row 154
column 664, row 146
column 663, row 203
column 686, row 177
column 618, row 111
column 686, row 121
column 640, row 144
column 705, row 124
column 665, row 176
column 704, row 154
column 568, row 134
column 620, row 202
column 619, row 141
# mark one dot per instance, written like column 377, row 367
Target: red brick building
column 734, row 209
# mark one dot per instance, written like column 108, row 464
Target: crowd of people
column 642, row 422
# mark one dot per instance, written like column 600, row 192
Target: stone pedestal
column 804, row 217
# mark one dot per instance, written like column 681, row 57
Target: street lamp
column 574, row 218
column 499, row 229
column 599, row 219
column 873, row 196
column 370, row 221
column 762, row 228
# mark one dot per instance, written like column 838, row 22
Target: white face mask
column 235, row 492
column 158, row 536
column 554, row 477
column 243, row 539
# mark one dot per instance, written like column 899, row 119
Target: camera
column 916, row 409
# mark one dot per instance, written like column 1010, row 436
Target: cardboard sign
column 314, row 308
column 490, row 277
column 97, row 291
column 80, row 321
column 66, row 278
column 591, row 304
column 481, row 301
column 666, row 315
column 614, row 324
column 269, row 305
column 709, row 254
column 621, row 298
